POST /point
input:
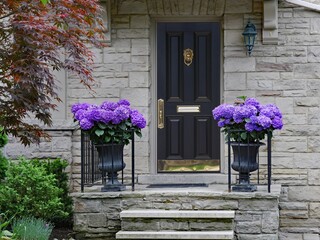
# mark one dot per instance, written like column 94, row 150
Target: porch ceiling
column 176, row 8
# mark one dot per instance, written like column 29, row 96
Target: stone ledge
column 213, row 191
column 175, row 214
column 174, row 235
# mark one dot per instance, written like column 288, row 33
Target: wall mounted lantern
column 249, row 35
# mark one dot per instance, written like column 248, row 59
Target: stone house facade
column 283, row 69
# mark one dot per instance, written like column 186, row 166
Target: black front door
column 188, row 88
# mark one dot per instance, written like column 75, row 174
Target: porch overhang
column 311, row 4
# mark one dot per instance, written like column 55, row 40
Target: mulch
column 61, row 233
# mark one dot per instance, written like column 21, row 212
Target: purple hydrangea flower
column 277, row 123
column 253, row 119
column 77, row 106
column 270, row 110
column 124, row 102
column 121, row 113
column 250, row 127
column 106, row 116
column 80, row 114
column 264, row 121
column 250, row 116
column 85, row 124
column 224, row 122
column 253, row 124
column 253, row 102
column 137, row 119
column 244, row 111
column 223, row 111
column 93, row 115
column 109, row 105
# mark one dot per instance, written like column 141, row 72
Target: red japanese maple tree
column 33, row 36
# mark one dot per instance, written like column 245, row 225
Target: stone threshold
column 184, row 178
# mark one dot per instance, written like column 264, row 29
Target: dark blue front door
column 188, row 88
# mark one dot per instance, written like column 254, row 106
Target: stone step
column 175, row 235
column 176, row 220
column 147, row 213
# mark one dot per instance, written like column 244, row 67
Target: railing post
column 82, row 162
column 229, row 163
column 92, row 162
column 269, row 162
column 112, row 163
column 132, row 161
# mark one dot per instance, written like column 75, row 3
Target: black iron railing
column 90, row 173
column 268, row 144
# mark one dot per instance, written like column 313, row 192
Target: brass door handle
column 160, row 113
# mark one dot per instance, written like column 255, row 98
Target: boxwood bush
column 57, row 168
column 29, row 190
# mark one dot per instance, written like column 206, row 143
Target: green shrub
column 29, row 228
column 3, row 138
column 3, row 159
column 29, row 190
column 57, row 167
column 3, row 166
column 4, row 233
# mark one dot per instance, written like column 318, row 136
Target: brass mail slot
column 188, row 108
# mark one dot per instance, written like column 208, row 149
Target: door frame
column 153, row 58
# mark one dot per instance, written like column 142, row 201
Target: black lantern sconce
column 249, row 35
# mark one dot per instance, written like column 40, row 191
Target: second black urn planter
column 245, row 161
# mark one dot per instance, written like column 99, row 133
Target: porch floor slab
column 210, row 189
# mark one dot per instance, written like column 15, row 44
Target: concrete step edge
column 155, row 213
column 221, row 235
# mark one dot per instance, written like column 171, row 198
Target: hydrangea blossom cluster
column 110, row 121
column 255, row 119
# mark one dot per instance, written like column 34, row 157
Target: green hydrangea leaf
column 102, row 125
column 244, row 135
column 99, row 132
column 139, row 134
column 44, row 1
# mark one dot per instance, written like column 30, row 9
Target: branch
column 8, row 15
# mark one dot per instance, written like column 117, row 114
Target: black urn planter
column 244, row 162
column 111, row 161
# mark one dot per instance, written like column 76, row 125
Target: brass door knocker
column 188, row 56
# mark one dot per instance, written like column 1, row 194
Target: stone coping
column 214, row 191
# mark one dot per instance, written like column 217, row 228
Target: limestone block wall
column 121, row 71
column 60, row 146
column 286, row 74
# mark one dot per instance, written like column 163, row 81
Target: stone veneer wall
column 60, row 146
column 286, row 74
column 121, row 71
column 97, row 215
